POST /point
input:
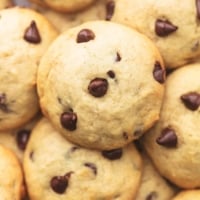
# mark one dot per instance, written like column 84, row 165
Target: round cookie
column 188, row 195
column 64, row 21
column 17, row 139
column 5, row 4
column 65, row 5
column 11, row 183
column 105, row 82
column 63, row 170
column 176, row 35
column 24, row 37
column 173, row 143
column 153, row 185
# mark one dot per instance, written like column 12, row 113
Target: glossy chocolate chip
column 32, row 34
column 68, row 120
column 191, row 100
column 92, row 166
column 118, row 57
column 85, row 35
column 167, row 138
column 22, row 138
column 59, row 184
column 112, row 154
column 110, row 7
column 198, row 8
column 111, row 74
column 152, row 196
column 98, row 87
column 3, row 104
column 158, row 73
column 164, row 27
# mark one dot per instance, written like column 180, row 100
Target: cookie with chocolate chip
column 153, row 186
column 67, row 6
column 17, row 139
column 110, row 85
column 172, row 25
column 173, row 142
column 57, row 169
column 11, row 175
column 24, row 36
column 188, row 195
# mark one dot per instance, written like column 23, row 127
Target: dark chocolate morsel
column 32, row 34
column 98, row 87
column 110, row 7
column 168, row 138
column 113, row 154
column 158, row 73
column 92, row 166
column 164, row 27
column 191, row 100
column 85, row 35
column 68, row 120
column 22, row 138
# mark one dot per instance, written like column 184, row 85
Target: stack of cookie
column 86, row 109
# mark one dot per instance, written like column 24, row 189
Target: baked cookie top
column 11, row 183
column 57, row 169
column 24, row 36
column 101, row 84
column 173, row 143
column 176, row 35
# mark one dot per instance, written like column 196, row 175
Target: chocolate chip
column 59, row 183
column 3, row 104
column 191, row 100
column 85, row 35
column 31, row 155
column 32, row 34
column 68, row 120
column 113, row 154
column 110, row 7
column 198, row 8
column 91, row 166
column 98, row 87
column 167, row 138
column 111, row 74
column 118, row 57
column 164, row 27
column 158, row 73
column 125, row 135
column 74, row 148
column 152, row 196
column 22, row 138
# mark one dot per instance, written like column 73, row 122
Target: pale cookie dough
column 173, row 143
column 188, row 195
column 110, row 88
column 11, row 182
column 65, row 5
column 57, row 169
column 153, row 186
column 172, row 25
column 24, row 37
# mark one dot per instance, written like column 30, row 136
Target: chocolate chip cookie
column 188, row 195
column 24, row 36
column 172, row 25
column 57, row 169
column 173, row 143
column 110, row 85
